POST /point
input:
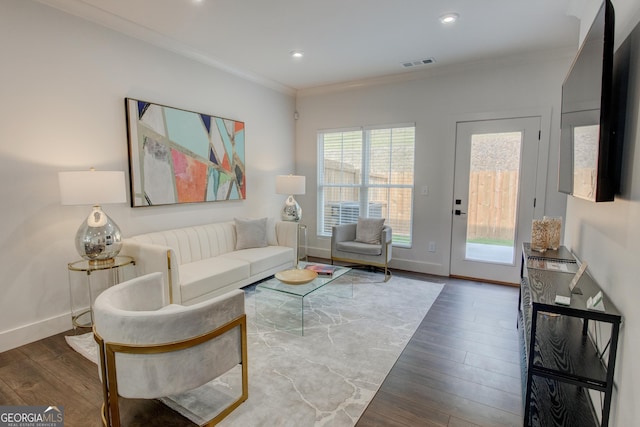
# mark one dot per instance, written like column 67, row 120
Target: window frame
column 364, row 186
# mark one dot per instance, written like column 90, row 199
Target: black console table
column 560, row 362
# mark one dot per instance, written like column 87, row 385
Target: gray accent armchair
column 345, row 249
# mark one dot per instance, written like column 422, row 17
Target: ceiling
column 342, row 40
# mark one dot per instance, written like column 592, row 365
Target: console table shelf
column 560, row 362
column 555, row 403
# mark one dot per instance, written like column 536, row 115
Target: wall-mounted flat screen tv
column 588, row 147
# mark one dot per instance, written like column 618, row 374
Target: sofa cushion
column 192, row 244
column 262, row 259
column 201, row 277
column 369, row 230
column 359, row 248
column 251, row 233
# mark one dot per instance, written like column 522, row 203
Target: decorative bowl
column 296, row 276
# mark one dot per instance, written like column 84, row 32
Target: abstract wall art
column 179, row 156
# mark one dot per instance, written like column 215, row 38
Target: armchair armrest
column 344, row 232
column 341, row 233
column 386, row 240
column 386, row 234
column 142, row 293
column 124, row 316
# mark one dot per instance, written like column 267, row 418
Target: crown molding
column 566, row 53
column 121, row 25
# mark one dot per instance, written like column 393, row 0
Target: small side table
column 87, row 280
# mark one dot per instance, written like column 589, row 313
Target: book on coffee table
column 322, row 269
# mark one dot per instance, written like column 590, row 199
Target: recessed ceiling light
column 296, row 54
column 449, row 18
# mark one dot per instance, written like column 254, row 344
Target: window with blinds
column 367, row 172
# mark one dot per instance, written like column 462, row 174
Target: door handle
column 458, row 212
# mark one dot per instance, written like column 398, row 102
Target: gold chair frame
column 359, row 264
column 108, row 350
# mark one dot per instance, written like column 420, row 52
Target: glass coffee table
column 281, row 305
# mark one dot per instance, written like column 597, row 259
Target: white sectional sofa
column 204, row 261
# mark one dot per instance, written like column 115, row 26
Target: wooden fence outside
column 492, row 200
column 492, row 205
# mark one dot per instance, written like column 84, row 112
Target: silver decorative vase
column 98, row 239
column 291, row 211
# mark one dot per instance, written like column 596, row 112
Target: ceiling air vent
column 408, row 64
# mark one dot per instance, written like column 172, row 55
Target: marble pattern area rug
column 328, row 376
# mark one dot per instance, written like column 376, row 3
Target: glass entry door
column 494, row 190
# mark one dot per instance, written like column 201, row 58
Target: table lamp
column 98, row 239
column 290, row 185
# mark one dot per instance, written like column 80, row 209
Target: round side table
column 87, row 279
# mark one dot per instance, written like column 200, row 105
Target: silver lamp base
column 291, row 211
column 98, row 239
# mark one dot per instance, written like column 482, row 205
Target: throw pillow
column 251, row 233
column 369, row 230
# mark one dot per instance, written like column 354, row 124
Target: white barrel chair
column 149, row 348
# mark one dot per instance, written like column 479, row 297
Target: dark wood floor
column 461, row 368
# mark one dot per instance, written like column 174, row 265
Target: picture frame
column 178, row 156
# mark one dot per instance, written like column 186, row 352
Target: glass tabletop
column 305, row 289
column 85, row 265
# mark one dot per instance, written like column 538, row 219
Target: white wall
column 62, row 84
column 494, row 89
column 607, row 236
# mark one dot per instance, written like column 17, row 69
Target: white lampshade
column 290, row 184
column 98, row 238
column 92, row 187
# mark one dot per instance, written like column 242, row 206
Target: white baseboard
column 419, row 267
column 400, row 264
column 35, row 331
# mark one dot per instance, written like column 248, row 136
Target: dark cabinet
column 560, row 362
